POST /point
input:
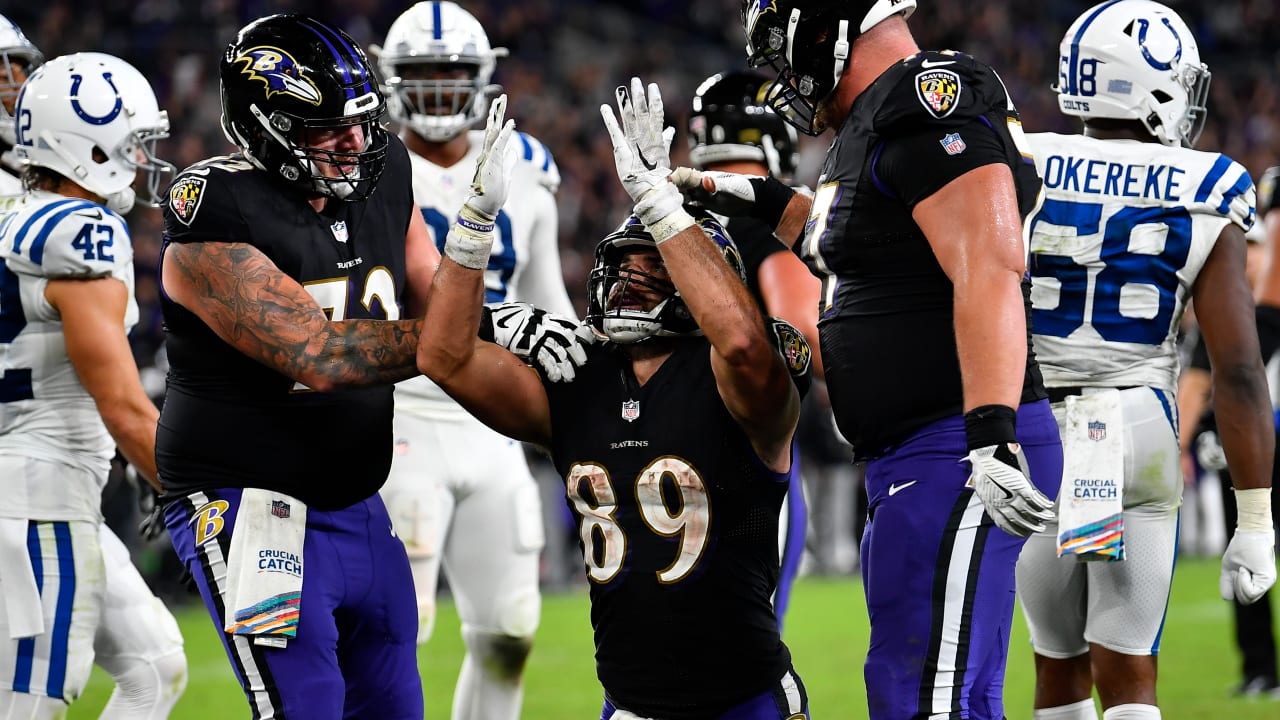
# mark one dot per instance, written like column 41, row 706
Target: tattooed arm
column 267, row 315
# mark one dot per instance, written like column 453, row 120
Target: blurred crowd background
column 568, row 55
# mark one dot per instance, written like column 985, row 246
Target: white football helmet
column 94, row 119
column 435, row 38
column 15, row 49
column 1135, row 60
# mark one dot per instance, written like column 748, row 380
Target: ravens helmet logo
column 279, row 72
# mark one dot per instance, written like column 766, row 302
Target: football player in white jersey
column 458, row 491
column 70, row 394
column 18, row 58
column 1134, row 223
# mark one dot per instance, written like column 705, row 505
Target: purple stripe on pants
column 939, row 576
column 355, row 653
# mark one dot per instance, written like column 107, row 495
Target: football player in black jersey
column 732, row 130
column 916, row 229
column 289, row 274
column 675, row 442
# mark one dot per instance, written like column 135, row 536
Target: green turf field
column 826, row 630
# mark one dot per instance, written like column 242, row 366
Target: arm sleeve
column 913, row 166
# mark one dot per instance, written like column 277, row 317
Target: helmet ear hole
column 1161, row 96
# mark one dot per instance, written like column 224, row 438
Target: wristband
column 772, row 198
column 990, row 425
column 469, row 248
column 1254, row 506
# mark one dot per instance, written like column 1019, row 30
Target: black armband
column 990, row 425
column 486, row 324
column 772, row 198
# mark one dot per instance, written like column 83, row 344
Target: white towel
column 264, row 567
column 1090, row 502
column 23, row 609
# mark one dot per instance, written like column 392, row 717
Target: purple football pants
column 939, row 575
column 355, row 654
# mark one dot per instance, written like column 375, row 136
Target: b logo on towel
column 208, row 520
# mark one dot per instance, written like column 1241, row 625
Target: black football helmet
column 670, row 317
column 807, row 42
column 731, row 122
column 287, row 79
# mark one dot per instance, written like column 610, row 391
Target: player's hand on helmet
column 1001, row 478
column 1248, row 566
column 553, row 342
column 734, row 194
column 731, row 194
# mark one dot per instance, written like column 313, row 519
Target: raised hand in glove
column 1249, row 564
column 555, row 343
column 1000, row 477
column 470, row 239
column 642, row 157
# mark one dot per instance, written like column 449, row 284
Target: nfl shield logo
column 630, row 410
column 1097, row 430
column 340, row 231
column 280, row 508
column 953, row 144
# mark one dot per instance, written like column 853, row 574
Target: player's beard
column 822, row 115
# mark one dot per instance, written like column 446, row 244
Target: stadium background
column 566, row 57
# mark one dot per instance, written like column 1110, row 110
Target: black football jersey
column 678, row 524
column 229, row 421
column 888, row 339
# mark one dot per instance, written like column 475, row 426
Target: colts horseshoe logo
column 76, row 79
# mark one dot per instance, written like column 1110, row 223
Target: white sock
column 1132, row 711
column 1083, row 710
column 145, row 690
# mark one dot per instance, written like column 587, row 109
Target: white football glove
column 555, row 343
column 1248, row 566
column 1000, row 477
column 642, row 157
column 493, row 167
column 470, row 238
column 731, row 194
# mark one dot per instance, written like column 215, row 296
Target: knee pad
column 498, row 654
column 1132, row 711
column 150, row 687
column 1083, row 710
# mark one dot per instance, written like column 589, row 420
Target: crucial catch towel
column 1090, row 502
column 264, row 567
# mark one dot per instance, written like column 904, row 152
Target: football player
column 675, row 439
column 459, row 492
column 915, row 229
column 87, row 125
column 289, row 273
column 732, row 130
column 1133, row 225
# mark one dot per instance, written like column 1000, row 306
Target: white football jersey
column 1122, row 232
column 44, row 410
column 525, row 262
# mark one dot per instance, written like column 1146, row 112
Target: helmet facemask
column 15, row 49
column 439, row 108
column 805, row 78
column 610, row 285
